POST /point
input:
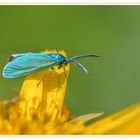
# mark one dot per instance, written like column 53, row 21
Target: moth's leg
column 52, row 68
column 65, row 71
column 60, row 66
column 44, row 77
column 63, row 66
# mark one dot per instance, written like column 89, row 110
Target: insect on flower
column 27, row 63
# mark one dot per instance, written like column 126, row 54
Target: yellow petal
column 87, row 117
column 48, row 86
column 126, row 121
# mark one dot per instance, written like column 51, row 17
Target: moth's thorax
column 57, row 57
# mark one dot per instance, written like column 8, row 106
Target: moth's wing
column 14, row 56
column 27, row 64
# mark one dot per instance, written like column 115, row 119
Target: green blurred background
column 111, row 31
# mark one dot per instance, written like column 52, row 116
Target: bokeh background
column 111, row 31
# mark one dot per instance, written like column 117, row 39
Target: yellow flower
column 40, row 109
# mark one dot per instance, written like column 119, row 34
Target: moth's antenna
column 80, row 66
column 82, row 56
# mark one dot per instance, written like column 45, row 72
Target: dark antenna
column 82, row 56
column 79, row 65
